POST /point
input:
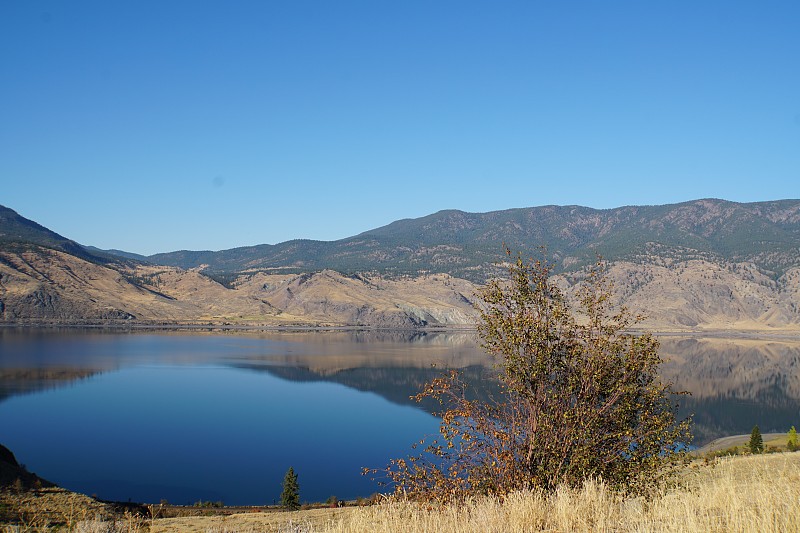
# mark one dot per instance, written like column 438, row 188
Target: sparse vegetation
column 332, row 501
column 209, row 504
column 727, row 452
column 226, row 279
column 791, row 440
column 462, row 244
column 749, row 493
column 746, row 493
column 731, row 494
column 729, row 277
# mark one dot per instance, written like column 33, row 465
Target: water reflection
column 735, row 384
column 236, row 386
column 216, row 416
column 37, row 359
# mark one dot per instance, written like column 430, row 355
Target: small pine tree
column 756, row 442
column 290, row 497
column 792, row 443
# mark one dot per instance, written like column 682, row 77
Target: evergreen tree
column 290, row 497
column 792, row 443
column 756, row 442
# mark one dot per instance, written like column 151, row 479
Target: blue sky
column 153, row 126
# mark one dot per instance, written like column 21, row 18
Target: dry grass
column 738, row 494
column 279, row 522
column 741, row 494
column 732, row 494
column 40, row 509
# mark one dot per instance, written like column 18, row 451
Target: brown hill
column 704, row 295
column 45, row 285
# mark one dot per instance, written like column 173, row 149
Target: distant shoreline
column 232, row 327
column 724, row 443
column 783, row 335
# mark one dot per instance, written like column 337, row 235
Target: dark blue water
column 220, row 417
column 205, row 432
column 188, row 418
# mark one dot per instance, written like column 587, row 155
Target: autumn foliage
column 580, row 399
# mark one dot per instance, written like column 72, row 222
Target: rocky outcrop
column 701, row 294
column 16, row 476
column 330, row 297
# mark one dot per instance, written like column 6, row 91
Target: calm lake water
column 222, row 416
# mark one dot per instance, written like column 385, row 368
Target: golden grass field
column 733, row 494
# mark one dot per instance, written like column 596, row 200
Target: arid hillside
column 692, row 267
column 699, row 294
column 45, row 285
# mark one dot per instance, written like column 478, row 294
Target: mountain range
column 467, row 245
column 699, row 265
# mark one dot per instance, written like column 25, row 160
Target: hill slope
column 467, row 245
column 701, row 265
column 41, row 285
column 18, row 233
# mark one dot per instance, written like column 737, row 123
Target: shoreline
column 729, row 441
column 231, row 327
column 57, row 507
column 778, row 335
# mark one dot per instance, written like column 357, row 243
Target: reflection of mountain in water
column 394, row 384
column 721, row 416
column 740, row 368
column 16, row 381
column 393, row 364
column 416, row 337
column 735, row 384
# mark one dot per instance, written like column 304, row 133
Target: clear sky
column 153, row 126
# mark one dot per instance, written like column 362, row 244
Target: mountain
column 696, row 266
column 116, row 253
column 43, row 285
column 467, row 245
column 19, row 233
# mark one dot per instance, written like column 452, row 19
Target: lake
column 220, row 416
